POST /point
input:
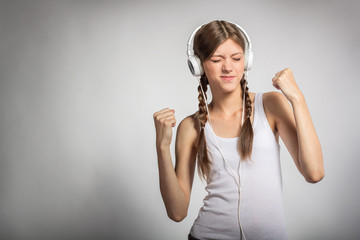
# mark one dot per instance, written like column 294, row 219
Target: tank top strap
column 259, row 109
column 260, row 119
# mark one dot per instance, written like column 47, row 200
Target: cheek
column 240, row 66
column 210, row 69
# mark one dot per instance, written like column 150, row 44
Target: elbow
column 315, row 177
column 177, row 217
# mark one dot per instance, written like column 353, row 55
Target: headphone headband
column 195, row 63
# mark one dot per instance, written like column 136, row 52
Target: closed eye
column 237, row 59
column 215, row 61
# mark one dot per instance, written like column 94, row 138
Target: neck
column 226, row 103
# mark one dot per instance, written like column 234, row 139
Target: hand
column 164, row 120
column 285, row 81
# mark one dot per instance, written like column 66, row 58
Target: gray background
column 80, row 81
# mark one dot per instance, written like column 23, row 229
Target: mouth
column 227, row 78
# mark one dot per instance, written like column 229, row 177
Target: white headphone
column 195, row 63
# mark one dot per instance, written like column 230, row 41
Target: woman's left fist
column 285, row 81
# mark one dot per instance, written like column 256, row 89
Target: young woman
column 238, row 159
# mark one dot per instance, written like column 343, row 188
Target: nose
column 227, row 66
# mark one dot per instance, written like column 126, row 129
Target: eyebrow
column 231, row 55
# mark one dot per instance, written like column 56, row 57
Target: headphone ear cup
column 195, row 66
column 249, row 60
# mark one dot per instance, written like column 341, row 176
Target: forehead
column 228, row 46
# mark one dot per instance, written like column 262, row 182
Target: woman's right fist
column 164, row 120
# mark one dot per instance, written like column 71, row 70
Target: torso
column 230, row 126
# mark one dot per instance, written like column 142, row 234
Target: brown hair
column 206, row 41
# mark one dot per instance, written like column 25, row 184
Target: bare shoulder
column 187, row 130
column 277, row 107
column 274, row 101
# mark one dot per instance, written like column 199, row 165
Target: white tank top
column 261, row 202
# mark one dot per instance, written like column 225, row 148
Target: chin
column 230, row 89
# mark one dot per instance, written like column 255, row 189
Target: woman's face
column 225, row 68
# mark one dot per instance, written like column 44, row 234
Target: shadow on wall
column 104, row 212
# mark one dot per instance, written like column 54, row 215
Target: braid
column 202, row 153
column 248, row 107
column 246, row 134
column 202, row 105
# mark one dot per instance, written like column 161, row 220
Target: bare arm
column 310, row 154
column 296, row 128
column 175, row 185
